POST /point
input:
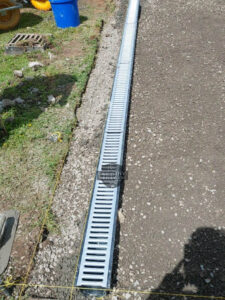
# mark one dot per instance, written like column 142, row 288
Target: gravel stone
column 51, row 99
column 18, row 100
column 35, row 65
column 121, row 216
column 18, row 73
column 7, row 102
column 34, row 90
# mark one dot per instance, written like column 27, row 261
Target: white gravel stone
column 35, row 65
column 121, row 216
column 18, row 73
column 51, row 99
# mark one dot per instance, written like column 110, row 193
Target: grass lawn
column 38, row 132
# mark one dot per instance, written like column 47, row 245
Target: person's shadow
column 34, row 92
column 201, row 272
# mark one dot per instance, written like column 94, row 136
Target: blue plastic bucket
column 66, row 13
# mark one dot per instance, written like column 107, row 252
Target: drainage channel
column 95, row 264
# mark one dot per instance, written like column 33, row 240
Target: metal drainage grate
column 95, row 265
column 21, row 43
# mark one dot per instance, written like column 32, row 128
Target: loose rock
column 121, row 216
column 34, row 90
column 55, row 137
column 51, row 99
column 19, row 100
column 35, row 65
column 7, row 103
column 18, row 73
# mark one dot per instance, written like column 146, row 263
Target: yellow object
column 59, row 135
column 10, row 18
column 41, row 4
column 9, row 281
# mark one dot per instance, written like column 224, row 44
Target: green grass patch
column 30, row 155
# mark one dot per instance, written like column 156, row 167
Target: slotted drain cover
column 95, row 265
column 21, row 43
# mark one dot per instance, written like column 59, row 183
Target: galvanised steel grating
column 23, row 42
column 95, row 264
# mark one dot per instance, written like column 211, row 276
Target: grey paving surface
column 173, row 236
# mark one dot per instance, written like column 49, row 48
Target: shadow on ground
column 83, row 19
column 202, row 270
column 34, row 91
column 27, row 20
